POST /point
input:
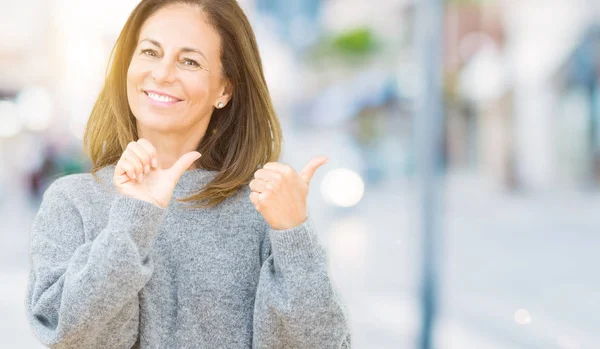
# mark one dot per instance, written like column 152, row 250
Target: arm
column 78, row 291
column 296, row 303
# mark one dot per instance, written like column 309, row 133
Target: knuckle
column 147, row 146
column 136, row 160
column 136, row 157
column 253, row 198
column 123, row 163
column 138, row 150
column 129, row 155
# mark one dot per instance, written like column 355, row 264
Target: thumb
column 182, row 164
column 309, row 170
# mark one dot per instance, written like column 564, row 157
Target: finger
column 150, row 149
column 254, row 199
column 259, row 185
column 123, row 166
column 182, row 164
column 126, row 168
column 142, row 155
column 267, row 175
column 123, row 178
column 133, row 159
column 309, row 170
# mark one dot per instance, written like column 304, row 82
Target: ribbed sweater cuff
column 297, row 245
column 140, row 218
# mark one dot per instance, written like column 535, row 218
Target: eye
column 190, row 62
column 149, row 52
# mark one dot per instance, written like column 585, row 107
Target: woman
column 119, row 261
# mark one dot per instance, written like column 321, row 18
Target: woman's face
column 174, row 79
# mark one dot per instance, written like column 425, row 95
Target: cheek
column 198, row 91
column 131, row 82
column 134, row 80
column 133, row 76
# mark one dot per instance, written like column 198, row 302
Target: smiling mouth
column 160, row 98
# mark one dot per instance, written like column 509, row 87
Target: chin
column 158, row 122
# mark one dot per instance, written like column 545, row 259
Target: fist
column 137, row 175
column 279, row 193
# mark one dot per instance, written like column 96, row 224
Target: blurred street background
column 519, row 219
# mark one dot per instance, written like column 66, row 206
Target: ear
column 226, row 91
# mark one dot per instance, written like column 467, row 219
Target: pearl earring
column 220, row 105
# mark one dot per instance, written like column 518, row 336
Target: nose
column 163, row 71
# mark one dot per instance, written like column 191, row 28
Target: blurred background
column 516, row 257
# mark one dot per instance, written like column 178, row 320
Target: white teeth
column 160, row 98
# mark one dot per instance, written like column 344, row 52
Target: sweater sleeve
column 84, row 294
column 297, row 305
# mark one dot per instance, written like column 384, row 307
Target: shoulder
column 80, row 186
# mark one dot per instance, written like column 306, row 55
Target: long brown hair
column 242, row 136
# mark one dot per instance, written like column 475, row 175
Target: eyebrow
column 184, row 49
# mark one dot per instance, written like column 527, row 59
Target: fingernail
column 134, row 176
column 141, row 176
column 154, row 162
column 147, row 168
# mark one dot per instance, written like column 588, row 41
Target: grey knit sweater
column 111, row 271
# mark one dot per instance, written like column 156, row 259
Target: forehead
column 181, row 25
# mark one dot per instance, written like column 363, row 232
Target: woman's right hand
column 137, row 175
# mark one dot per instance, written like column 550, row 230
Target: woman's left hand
column 279, row 193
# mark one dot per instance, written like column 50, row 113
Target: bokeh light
column 522, row 317
column 35, row 108
column 10, row 124
column 342, row 187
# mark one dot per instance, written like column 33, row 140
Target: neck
column 171, row 146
